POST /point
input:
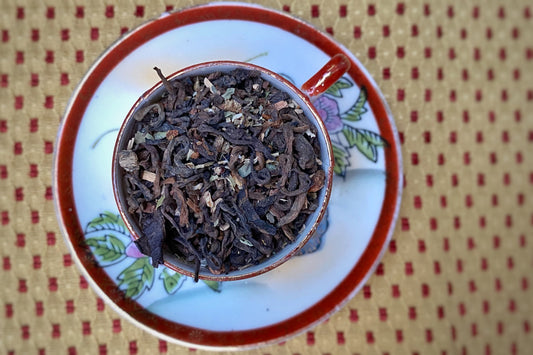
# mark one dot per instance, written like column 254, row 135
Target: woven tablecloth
column 457, row 277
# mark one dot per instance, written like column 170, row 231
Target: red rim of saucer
column 106, row 287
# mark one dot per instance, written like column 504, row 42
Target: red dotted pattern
column 456, row 278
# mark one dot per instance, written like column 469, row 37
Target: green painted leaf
column 335, row 89
column 358, row 109
column 263, row 54
column 355, row 137
column 373, row 138
column 107, row 236
column 170, row 282
column 214, row 285
column 106, row 221
column 107, row 247
column 340, row 157
column 136, row 278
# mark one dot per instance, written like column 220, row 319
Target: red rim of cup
column 107, row 288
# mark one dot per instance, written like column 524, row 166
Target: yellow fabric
column 458, row 77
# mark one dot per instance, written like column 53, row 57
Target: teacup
column 303, row 97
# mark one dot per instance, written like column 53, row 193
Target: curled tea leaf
column 128, row 160
column 141, row 113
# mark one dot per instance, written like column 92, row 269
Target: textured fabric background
column 457, row 278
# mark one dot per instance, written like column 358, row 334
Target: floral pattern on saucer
column 343, row 132
column 111, row 244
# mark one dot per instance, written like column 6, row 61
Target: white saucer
column 268, row 308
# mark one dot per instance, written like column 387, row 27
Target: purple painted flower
column 133, row 252
column 329, row 111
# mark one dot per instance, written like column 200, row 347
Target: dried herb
column 223, row 171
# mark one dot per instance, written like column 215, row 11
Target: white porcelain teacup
column 316, row 85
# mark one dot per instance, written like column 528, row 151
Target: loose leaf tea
column 223, row 171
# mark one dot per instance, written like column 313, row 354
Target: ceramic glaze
column 305, row 290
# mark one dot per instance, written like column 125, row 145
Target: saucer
column 271, row 307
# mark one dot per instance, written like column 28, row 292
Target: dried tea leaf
column 245, row 169
column 149, row 176
column 139, row 138
column 151, row 241
column 310, row 134
column 141, row 113
column 210, row 85
column 171, row 90
column 171, row 134
column 306, row 153
column 160, row 201
column 131, row 142
column 208, row 200
column 318, row 179
column 281, row 105
column 160, row 135
column 128, row 160
column 231, row 105
column 228, row 93
column 246, row 242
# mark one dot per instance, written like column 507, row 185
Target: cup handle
column 328, row 75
